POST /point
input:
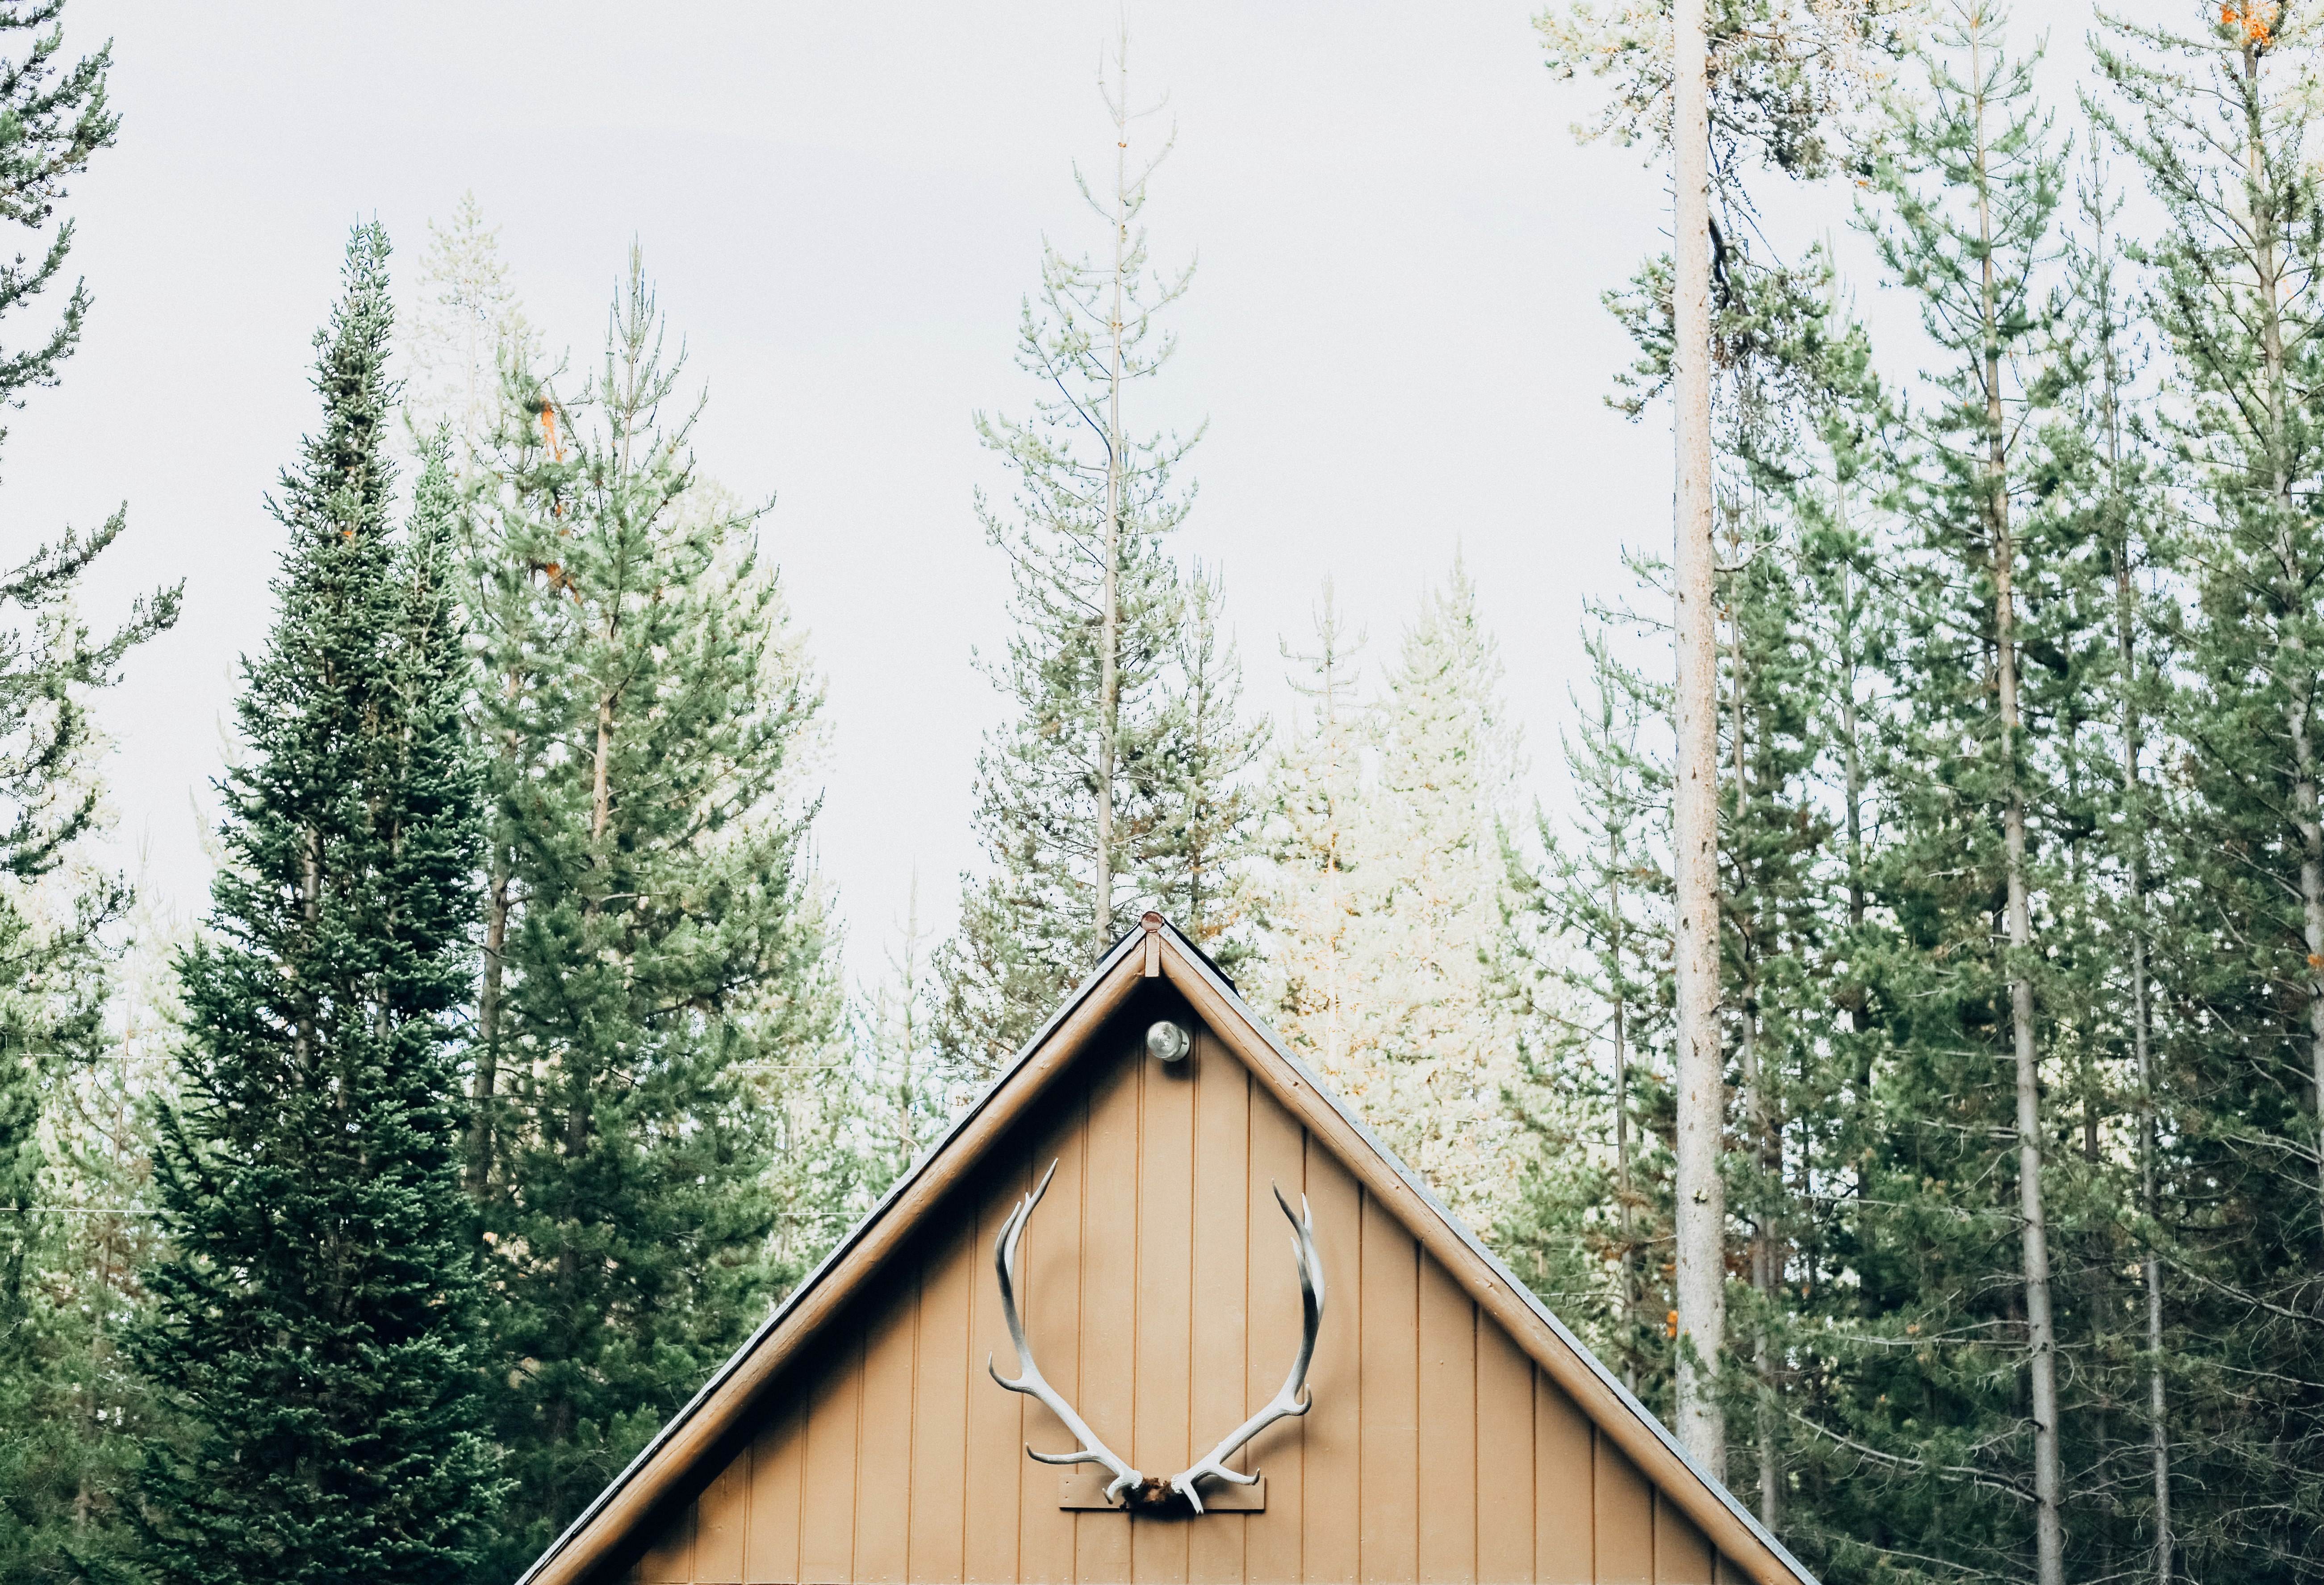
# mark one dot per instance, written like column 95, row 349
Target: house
column 1453, row 1429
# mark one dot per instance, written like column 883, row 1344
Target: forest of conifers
column 363, row 1228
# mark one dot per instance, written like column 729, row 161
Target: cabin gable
column 1160, row 1297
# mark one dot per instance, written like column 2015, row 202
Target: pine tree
column 1758, row 82
column 58, row 117
column 1395, row 988
column 1588, row 933
column 1970, row 238
column 64, row 1286
column 1206, row 828
column 2217, row 118
column 906, row 1102
column 57, row 908
column 1076, row 794
column 664, row 1009
column 1439, row 1036
column 1315, row 840
column 95, row 1182
column 316, row 1312
column 2017, row 978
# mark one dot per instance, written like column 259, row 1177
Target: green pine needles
column 315, row 1316
column 658, row 983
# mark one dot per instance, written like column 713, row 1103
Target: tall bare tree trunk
column 1701, row 1215
column 1853, row 769
column 2041, row 1332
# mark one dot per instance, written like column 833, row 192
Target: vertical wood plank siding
column 1161, row 1298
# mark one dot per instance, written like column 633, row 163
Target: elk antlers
column 1290, row 1402
column 1031, row 1382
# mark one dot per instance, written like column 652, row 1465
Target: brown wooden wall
column 1163, row 1302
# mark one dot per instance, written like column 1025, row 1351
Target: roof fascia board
column 646, row 1479
column 1650, row 1443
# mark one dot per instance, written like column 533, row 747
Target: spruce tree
column 664, row 1007
column 1435, row 1055
column 316, row 1313
column 905, row 1101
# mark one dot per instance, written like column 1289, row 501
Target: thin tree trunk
column 1755, row 1100
column 601, row 789
column 1622, row 1113
column 488, row 1027
column 489, row 991
column 2157, row 1405
column 1701, row 1210
column 1853, row 769
column 2040, row 1339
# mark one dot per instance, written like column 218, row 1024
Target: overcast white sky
column 1394, row 330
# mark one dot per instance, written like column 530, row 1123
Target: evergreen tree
column 1721, row 87
column 316, row 1311
column 663, row 1020
column 1315, row 840
column 1966, row 994
column 1075, row 796
column 89, row 1410
column 905, row 1110
column 1206, row 834
column 1396, row 990
column 1434, row 1056
column 2217, row 118
column 57, row 908
column 1588, row 932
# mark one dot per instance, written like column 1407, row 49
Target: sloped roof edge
column 1113, row 959
column 1201, row 964
column 1725, row 1520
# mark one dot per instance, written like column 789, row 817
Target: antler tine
column 1029, row 1381
column 1288, row 1402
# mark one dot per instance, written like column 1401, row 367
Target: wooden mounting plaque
column 1084, row 1488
